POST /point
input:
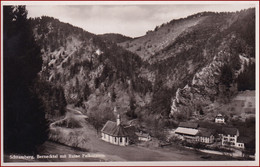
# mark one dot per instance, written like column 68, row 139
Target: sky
column 130, row 20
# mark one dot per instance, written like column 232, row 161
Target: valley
column 190, row 69
column 105, row 152
column 185, row 87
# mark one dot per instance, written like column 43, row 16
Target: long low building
column 186, row 133
column 192, row 131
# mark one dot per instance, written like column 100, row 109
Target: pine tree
column 226, row 75
column 87, row 92
column 24, row 121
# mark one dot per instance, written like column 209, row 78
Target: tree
column 62, row 103
column 52, row 99
column 131, row 112
column 77, row 88
column 113, row 95
column 97, row 82
column 25, row 126
column 156, row 28
column 86, row 92
column 99, row 117
column 246, row 79
column 226, row 75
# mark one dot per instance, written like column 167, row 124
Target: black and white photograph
column 130, row 83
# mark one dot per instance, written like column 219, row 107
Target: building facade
column 187, row 131
column 219, row 119
column 115, row 133
column 229, row 136
column 143, row 136
column 205, row 136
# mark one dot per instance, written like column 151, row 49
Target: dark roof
column 229, row 131
column 244, row 139
column 130, row 130
column 189, row 125
column 204, row 132
column 219, row 116
column 112, row 129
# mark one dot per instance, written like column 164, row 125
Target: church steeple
column 118, row 121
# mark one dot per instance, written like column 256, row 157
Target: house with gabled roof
column 229, row 136
column 187, row 130
column 142, row 136
column 115, row 133
column 205, row 135
column 219, row 119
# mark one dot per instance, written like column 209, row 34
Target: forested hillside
column 212, row 53
column 177, row 70
column 92, row 72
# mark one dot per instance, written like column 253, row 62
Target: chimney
column 118, row 120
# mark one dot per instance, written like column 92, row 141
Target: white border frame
column 141, row 163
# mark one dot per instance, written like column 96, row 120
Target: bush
column 196, row 145
column 139, row 48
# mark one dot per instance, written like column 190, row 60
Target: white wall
column 111, row 139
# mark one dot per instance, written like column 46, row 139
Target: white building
column 229, row 136
column 219, row 119
column 187, row 130
column 143, row 136
column 115, row 133
column 205, row 136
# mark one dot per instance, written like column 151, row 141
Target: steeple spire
column 118, row 116
column 118, row 121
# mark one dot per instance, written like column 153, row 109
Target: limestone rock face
column 206, row 86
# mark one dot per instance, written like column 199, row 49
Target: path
column 133, row 152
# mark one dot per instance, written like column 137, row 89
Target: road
column 137, row 153
column 110, row 152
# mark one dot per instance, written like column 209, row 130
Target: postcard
column 126, row 83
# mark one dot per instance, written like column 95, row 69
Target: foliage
column 116, row 38
column 246, row 79
column 131, row 113
column 99, row 118
column 87, row 92
column 25, row 126
column 113, row 95
column 52, row 99
column 177, row 63
column 226, row 76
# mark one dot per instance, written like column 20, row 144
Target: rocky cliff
column 180, row 68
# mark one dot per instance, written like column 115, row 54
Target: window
column 126, row 139
column 115, row 139
column 121, row 140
